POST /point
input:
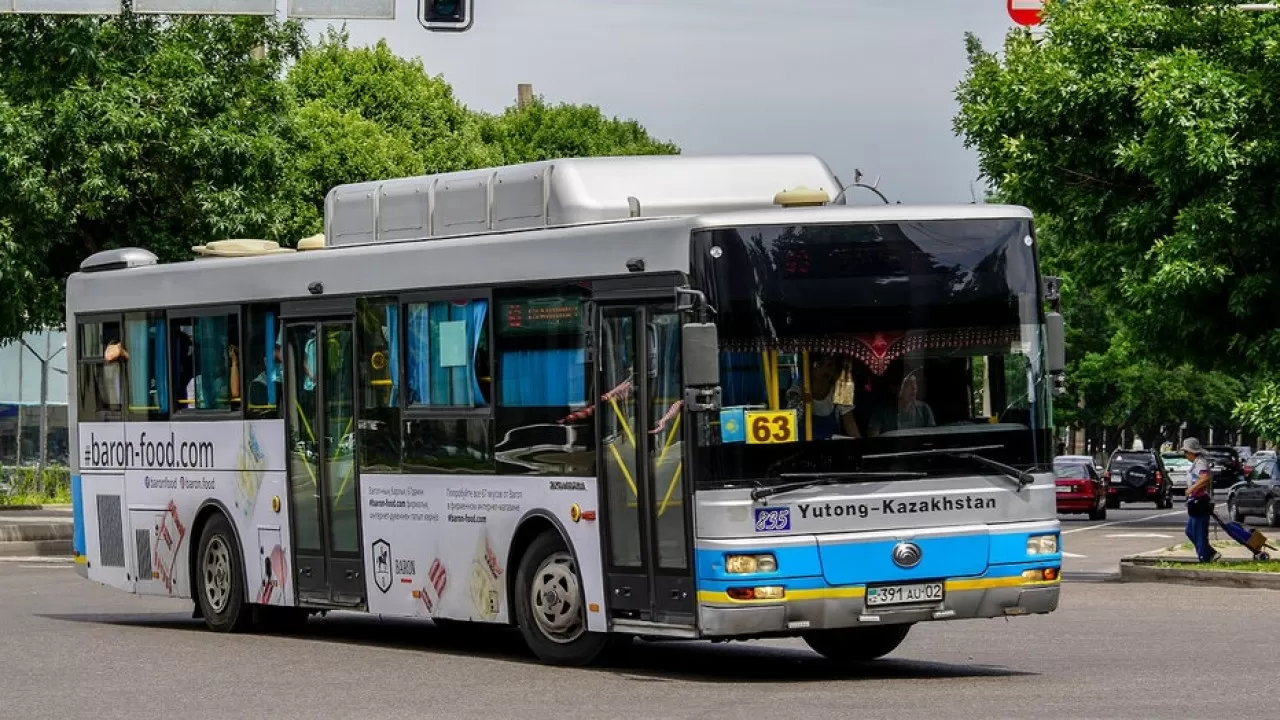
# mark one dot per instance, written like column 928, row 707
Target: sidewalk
column 45, row 532
column 1178, row 564
column 1184, row 552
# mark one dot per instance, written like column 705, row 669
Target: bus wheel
column 549, row 606
column 856, row 645
column 220, row 578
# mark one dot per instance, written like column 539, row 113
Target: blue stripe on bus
column 77, row 517
column 854, row 563
column 818, row 582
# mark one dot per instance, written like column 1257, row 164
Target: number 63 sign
column 768, row 427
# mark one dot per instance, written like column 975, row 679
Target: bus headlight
column 1042, row 545
column 748, row 564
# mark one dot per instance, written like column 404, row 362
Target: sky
column 865, row 84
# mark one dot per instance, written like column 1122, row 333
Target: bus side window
column 378, row 359
column 447, row 363
column 263, row 362
column 206, row 362
column 146, row 367
column 99, row 383
column 544, row 420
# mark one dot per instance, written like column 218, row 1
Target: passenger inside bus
column 902, row 410
column 829, row 418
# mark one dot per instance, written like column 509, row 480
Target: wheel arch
column 207, row 510
column 530, row 525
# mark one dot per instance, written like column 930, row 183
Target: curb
column 1144, row 570
column 35, row 532
column 36, row 548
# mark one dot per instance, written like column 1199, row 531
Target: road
column 1092, row 549
column 1113, row 650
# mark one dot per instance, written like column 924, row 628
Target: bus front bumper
column 842, row 607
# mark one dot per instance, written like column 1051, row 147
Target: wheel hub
column 216, row 572
column 557, row 607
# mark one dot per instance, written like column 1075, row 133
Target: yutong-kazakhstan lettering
column 896, row 507
column 147, row 453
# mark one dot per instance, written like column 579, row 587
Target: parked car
column 1226, row 465
column 1178, row 466
column 1080, row 488
column 1259, row 494
column 1138, row 476
column 1257, row 459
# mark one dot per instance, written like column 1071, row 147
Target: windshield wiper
column 1021, row 477
column 820, row 479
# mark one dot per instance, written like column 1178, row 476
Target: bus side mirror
column 1055, row 343
column 701, row 354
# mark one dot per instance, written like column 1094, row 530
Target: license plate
column 1064, row 488
column 904, row 594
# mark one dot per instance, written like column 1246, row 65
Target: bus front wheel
column 220, row 578
column 549, row 605
column 856, row 645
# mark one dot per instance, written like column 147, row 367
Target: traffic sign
column 1025, row 12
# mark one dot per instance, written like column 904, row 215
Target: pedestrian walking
column 1199, row 499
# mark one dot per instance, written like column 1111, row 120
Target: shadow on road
column 642, row 661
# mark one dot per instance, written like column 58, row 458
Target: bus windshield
column 897, row 347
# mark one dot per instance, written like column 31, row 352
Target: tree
column 1145, row 130
column 131, row 130
column 365, row 113
column 540, row 131
column 1260, row 413
column 167, row 133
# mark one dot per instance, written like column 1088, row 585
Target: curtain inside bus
column 543, row 378
column 444, row 338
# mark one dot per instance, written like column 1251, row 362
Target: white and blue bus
column 684, row 397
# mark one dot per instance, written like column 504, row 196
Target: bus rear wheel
column 857, row 645
column 220, row 578
column 549, row 605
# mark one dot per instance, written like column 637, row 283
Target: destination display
column 540, row 315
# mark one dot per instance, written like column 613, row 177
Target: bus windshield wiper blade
column 819, row 479
column 1021, row 477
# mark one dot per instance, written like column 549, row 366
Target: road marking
column 43, row 567
column 36, row 559
column 1122, row 522
column 1138, row 535
column 1073, row 555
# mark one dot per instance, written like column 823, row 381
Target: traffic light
column 446, row 15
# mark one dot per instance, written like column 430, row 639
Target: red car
column 1080, row 488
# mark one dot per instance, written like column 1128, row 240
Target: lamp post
column 44, row 360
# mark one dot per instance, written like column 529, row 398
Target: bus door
column 321, row 432
column 640, row 433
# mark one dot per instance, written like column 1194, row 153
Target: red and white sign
column 1025, row 12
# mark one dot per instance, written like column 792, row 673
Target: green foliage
column 168, row 133
column 540, row 131
column 27, row 486
column 131, row 131
column 1260, row 412
column 1145, row 130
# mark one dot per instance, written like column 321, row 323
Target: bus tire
column 220, row 588
column 857, row 645
column 550, row 608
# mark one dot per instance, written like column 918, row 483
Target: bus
column 590, row 399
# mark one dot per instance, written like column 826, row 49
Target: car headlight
column 1042, row 545
column 748, row 564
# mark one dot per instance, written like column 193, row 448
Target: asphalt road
column 70, row 648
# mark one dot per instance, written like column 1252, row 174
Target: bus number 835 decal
column 772, row 519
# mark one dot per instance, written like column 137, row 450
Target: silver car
column 1178, row 465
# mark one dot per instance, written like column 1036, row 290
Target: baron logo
column 382, row 564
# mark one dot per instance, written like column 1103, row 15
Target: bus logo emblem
column 907, row 554
column 382, row 564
